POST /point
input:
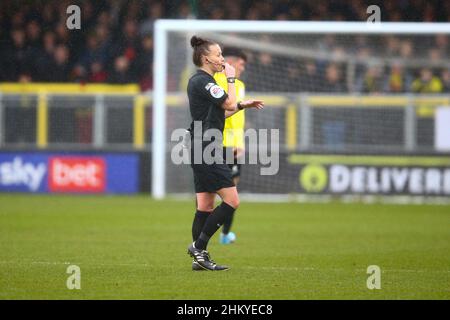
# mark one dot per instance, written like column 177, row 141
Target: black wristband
column 231, row 80
column 239, row 106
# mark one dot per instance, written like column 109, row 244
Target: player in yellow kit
column 233, row 135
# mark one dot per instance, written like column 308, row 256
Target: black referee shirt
column 205, row 101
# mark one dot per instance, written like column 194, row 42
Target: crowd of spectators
column 385, row 64
column 115, row 42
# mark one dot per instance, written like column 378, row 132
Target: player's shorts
column 235, row 170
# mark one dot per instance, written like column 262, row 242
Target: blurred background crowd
column 115, row 43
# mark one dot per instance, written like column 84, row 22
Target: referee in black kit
column 209, row 105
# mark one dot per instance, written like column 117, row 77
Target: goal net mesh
column 325, row 93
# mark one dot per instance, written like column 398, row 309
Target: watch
column 231, row 80
column 239, row 106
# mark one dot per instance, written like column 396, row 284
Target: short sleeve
column 214, row 93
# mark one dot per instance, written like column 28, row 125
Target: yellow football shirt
column 233, row 133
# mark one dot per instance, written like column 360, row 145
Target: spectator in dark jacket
column 60, row 67
column 121, row 72
column 17, row 59
column 333, row 79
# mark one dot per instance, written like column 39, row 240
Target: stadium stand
column 115, row 43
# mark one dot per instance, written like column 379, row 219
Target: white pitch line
column 76, row 263
column 244, row 267
column 342, row 269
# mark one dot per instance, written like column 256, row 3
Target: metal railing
column 350, row 123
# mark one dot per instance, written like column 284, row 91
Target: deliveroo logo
column 313, row 178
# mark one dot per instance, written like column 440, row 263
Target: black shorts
column 211, row 177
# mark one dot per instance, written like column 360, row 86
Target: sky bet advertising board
column 69, row 173
column 372, row 175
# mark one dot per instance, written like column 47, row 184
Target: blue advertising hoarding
column 37, row 172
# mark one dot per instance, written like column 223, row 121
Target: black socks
column 198, row 224
column 213, row 223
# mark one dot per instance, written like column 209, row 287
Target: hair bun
column 196, row 41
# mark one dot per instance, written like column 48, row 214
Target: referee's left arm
column 230, row 103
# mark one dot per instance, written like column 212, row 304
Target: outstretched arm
column 258, row 104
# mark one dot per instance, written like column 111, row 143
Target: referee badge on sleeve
column 216, row 91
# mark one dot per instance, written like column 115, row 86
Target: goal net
column 353, row 94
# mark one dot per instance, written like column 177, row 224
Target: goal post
column 171, row 52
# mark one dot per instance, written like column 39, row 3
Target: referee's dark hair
column 234, row 52
column 201, row 48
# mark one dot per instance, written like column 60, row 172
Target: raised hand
column 229, row 71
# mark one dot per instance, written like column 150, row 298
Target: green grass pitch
column 135, row 248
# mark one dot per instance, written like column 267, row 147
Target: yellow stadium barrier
column 424, row 105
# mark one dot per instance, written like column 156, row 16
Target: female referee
column 210, row 105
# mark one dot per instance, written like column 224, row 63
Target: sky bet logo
column 72, row 174
column 42, row 173
column 18, row 173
